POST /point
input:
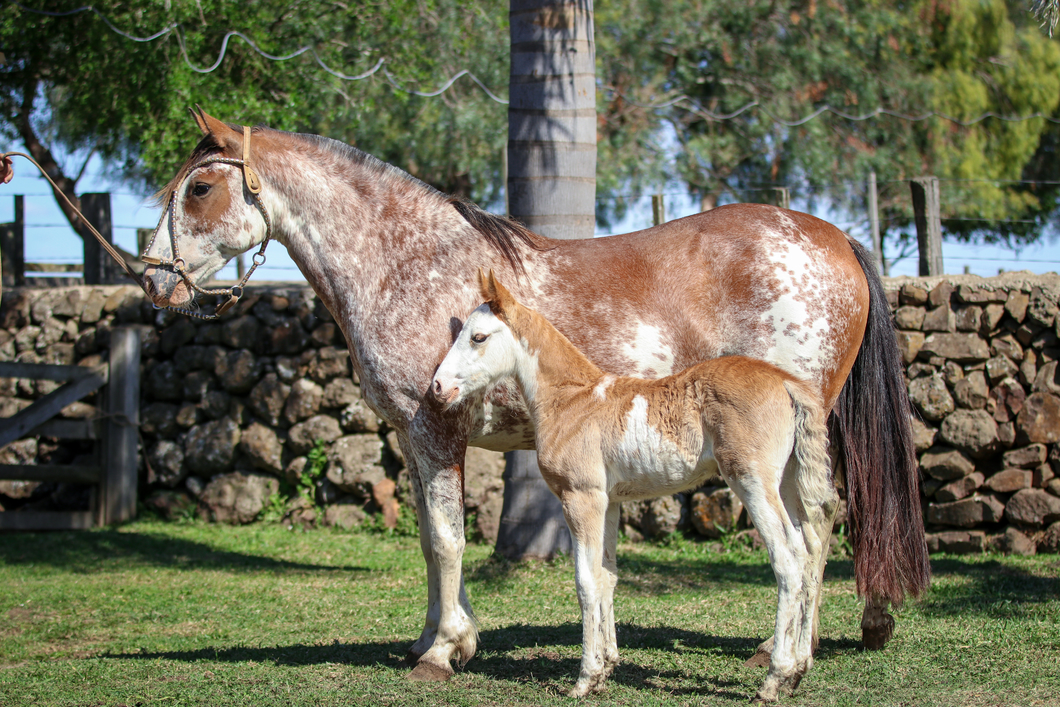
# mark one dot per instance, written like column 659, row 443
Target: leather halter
column 177, row 264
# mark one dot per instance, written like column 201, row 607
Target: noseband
column 177, row 264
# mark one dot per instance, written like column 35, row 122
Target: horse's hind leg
column 877, row 624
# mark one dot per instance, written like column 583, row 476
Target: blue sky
column 50, row 240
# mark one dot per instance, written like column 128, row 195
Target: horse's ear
column 221, row 131
column 200, row 119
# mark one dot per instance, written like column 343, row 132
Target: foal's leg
column 614, row 511
column 759, row 493
column 585, row 512
column 439, row 461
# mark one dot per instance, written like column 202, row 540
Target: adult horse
column 377, row 245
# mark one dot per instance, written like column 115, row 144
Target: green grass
column 193, row 614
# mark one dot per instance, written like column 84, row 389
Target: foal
column 602, row 440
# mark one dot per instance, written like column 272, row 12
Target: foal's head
column 485, row 350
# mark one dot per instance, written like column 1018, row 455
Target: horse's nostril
column 437, row 387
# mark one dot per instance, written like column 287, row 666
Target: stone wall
column 231, row 411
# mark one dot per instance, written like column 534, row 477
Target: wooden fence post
column 874, row 222
column 927, row 212
column 120, row 439
column 99, row 268
column 658, row 210
column 783, row 197
column 13, row 246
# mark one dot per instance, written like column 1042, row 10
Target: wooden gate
column 115, row 430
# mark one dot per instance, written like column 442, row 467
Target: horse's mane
column 502, row 233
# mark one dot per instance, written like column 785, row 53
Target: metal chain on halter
column 253, row 184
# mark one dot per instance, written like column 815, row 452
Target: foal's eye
column 200, row 189
column 479, row 338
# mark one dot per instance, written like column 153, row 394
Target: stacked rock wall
column 231, row 412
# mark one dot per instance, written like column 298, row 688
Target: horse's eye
column 200, row 189
column 479, row 338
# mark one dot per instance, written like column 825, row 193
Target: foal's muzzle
column 444, row 394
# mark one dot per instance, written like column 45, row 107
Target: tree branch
column 46, row 159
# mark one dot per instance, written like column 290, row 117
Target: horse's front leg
column 430, row 628
column 440, row 507
column 585, row 512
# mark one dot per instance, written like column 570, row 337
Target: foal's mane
column 502, row 233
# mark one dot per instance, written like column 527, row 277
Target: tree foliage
column 791, row 58
column 671, row 74
column 71, row 82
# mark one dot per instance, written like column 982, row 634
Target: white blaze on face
column 798, row 319
column 651, row 357
column 484, row 352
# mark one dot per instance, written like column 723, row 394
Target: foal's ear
column 501, row 299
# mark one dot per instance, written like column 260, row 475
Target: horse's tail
column 871, row 422
column 810, row 451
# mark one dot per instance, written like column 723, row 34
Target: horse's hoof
column 578, row 691
column 759, row 660
column 412, row 657
column 429, row 672
column 874, row 637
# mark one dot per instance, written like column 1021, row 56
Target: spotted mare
column 602, row 440
column 376, row 245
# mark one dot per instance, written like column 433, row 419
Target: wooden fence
column 115, row 431
column 96, row 268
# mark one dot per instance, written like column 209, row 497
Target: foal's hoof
column 875, row 636
column 429, row 672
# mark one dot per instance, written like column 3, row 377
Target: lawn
column 194, row 614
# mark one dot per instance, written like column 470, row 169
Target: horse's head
column 211, row 214
column 485, row 350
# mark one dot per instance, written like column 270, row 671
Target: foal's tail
column 811, row 448
column 871, row 423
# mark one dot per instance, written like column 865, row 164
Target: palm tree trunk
column 552, row 189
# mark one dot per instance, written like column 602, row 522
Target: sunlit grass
column 194, row 614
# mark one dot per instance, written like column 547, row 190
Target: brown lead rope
column 253, row 183
column 102, row 241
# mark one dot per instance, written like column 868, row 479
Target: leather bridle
column 177, row 264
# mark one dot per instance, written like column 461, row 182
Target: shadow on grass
column 997, row 588
column 537, row 660
column 102, row 550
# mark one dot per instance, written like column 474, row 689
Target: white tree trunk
column 552, row 189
